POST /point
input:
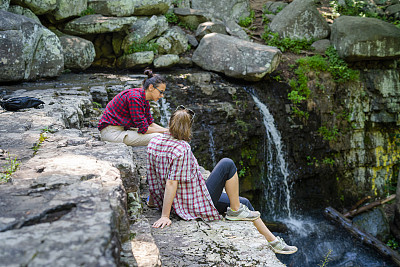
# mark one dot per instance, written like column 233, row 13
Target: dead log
column 369, row 206
column 359, row 203
column 366, row 238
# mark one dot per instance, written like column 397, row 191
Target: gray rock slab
column 95, row 24
column 39, row 7
column 235, row 57
column 357, row 38
column 173, row 41
column 166, row 61
column 223, row 9
column 23, row 11
column 210, row 27
column 136, row 60
column 4, row 5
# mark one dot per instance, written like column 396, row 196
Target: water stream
column 164, row 110
column 212, row 146
column 317, row 238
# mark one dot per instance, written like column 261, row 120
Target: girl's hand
column 163, row 221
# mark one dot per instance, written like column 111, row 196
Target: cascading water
column 164, row 110
column 277, row 192
column 315, row 237
column 212, row 146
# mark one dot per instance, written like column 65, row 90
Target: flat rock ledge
column 67, row 204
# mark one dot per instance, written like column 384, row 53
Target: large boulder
column 95, row 24
column 39, row 7
column 28, row 50
column 4, row 4
column 236, row 30
column 357, row 38
column 235, row 57
column 136, row 60
column 166, row 61
column 24, row 12
column 79, row 53
column 300, row 20
column 173, row 41
column 66, row 10
column 145, row 29
column 223, row 9
column 374, row 222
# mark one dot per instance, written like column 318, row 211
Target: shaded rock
column 117, row 41
column 185, row 62
column 39, row 7
column 66, row 10
column 223, row 9
column 395, row 227
column 166, row 61
column 28, row 50
column 151, row 7
column 235, row 57
column 99, row 95
column 393, row 10
column 357, row 38
column 373, row 222
column 24, row 12
column 191, row 17
column 199, row 78
column 4, row 5
column 173, row 41
column 320, row 46
column 136, row 60
column 274, row 7
column 234, row 29
column 79, row 53
column 300, row 20
column 192, row 40
column 95, row 24
column 145, row 29
column 210, row 27
column 118, row 8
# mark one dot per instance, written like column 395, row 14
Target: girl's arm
column 155, row 128
column 169, row 195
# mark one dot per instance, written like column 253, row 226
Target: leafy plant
column 392, row 243
column 243, row 169
column 187, row 26
column 8, row 169
column 171, row 17
column 37, row 145
column 141, row 47
column 328, row 134
column 87, row 11
column 326, row 259
column 247, row 21
column 328, row 161
column 339, row 68
column 285, row 44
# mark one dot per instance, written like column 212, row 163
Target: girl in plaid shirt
column 127, row 118
column 176, row 183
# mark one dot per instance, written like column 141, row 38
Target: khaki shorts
column 117, row 134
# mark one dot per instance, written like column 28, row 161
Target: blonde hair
column 180, row 125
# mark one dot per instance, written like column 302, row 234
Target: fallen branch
column 366, row 238
column 360, row 202
column 369, row 206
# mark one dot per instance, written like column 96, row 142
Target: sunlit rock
column 357, row 38
column 39, row 7
column 223, row 9
column 166, row 61
column 66, row 10
column 235, row 57
column 300, row 20
column 4, row 4
column 95, row 24
column 210, row 27
column 136, row 60
column 173, row 41
column 24, row 12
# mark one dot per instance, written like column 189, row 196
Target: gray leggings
column 223, row 171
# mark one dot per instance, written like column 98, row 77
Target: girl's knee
column 227, row 162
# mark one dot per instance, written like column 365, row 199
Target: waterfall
column 212, row 146
column 276, row 191
column 164, row 110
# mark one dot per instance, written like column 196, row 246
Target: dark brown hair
column 180, row 125
column 154, row 79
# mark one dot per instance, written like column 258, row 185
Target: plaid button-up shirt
column 169, row 158
column 129, row 109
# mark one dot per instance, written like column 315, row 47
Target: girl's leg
column 224, row 175
column 263, row 229
column 224, row 203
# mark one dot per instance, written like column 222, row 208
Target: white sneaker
column 280, row 247
column 242, row 214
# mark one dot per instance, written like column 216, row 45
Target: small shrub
column 328, row 134
column 339, row 68
column 141, row 47
column 87, row 11
column 171, row 18
column 247, row 21
column 8, row 169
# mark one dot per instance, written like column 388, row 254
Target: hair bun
column 149, row 73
